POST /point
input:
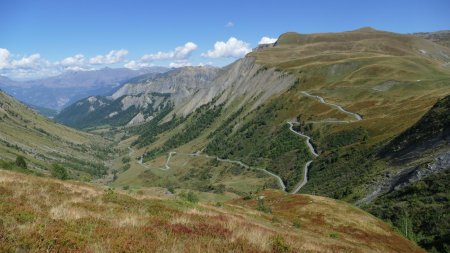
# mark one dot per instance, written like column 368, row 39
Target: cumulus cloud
column 25, row 67
column 77, row 68
column 137, row 64
column 179, row 53
column 114, row 56
column 229, row 24
column 28, row 61
column 180, row 63
column 34, row 66
column 233, row 48
column 4, row 58
column 76, row 60
column 267, row 40
column 179, row 57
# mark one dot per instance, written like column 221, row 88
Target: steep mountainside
column 40, row 214
column 439, row 37
column 139, row 100
column 60, row 91
column 49, row 113
column 418, row 194
column 43, row 143
column 344, row 95
column 179, row 83
column 99, row 110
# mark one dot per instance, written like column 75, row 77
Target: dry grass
column 47, row 215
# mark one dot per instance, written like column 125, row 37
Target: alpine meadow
column 167, row 127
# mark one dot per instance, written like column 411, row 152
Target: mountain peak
column 366, row 29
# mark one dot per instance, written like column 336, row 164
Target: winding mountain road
column 291, row 128
column 166, row 165
column 313, row 152
column 280, row 181
column 305, row 177
column 322, row 100
column 140, row 161
column 198, row 153
column 308, row 139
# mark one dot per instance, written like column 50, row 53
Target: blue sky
column 39, row 38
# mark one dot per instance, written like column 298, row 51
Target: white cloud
column 233, row 48
column 31, row 61
column 180, row 63
column 137, row 65
column 78, row 68
column 186, row 63
column 4, row 58
column 267, row 40
column 185, row 51
column 114, row 56
column 77, row 60
column 229, row 24
column 179, row 53
column 34, row 66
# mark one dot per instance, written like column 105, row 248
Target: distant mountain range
column 140, row 99
column 439, row 37
column 362, row 98
column 60, row 91
column 361, row 116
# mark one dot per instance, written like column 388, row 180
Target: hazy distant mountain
column 360, row 116
column 60, row 91
column 140, row 99
column 101, row 77
column 5, row 81
column 439, row 37
column 49, row 113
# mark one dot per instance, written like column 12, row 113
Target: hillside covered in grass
column 44, row 143
column 423, row 205
column 358, row 116
column 42, row 214
column 352, row 93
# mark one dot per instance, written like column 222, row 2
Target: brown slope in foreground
column 47, row 215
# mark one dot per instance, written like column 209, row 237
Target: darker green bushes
column 59, row 172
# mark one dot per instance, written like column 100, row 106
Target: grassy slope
column 382, row 76
column 347, row 68
column 424, row 205
column 42, row 142
column 41, row 214
column 189, row 172
column 386, row 79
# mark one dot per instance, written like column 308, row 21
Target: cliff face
column 140, row 99
column 244, row 80
column 179, row 83
column 186, row 89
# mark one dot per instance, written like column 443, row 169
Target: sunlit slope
column 39, row 214
column 390, row 79
column 43, row 142
column 350, row 92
